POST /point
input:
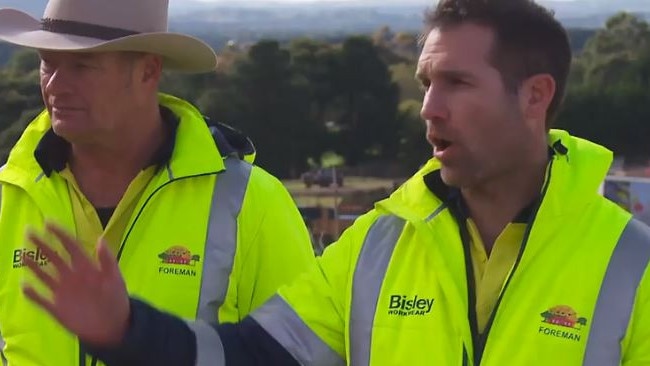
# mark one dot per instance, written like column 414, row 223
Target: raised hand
column 88, row 299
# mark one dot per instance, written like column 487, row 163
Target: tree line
column 310, row 102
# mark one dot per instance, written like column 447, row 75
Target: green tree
column 314, row 63
column 382, row 36
column 406, row 44
column 367, row 99
column 268, row 95
column 614, row 49
column 414, row 150
column 404, row 77
column 615, row 118
column 23, row 62
column 20, row 97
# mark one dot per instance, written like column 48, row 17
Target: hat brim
column 180, row 52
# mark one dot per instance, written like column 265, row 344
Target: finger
column 71, row 245
column 41, row 301
column 50, row 254
column 107, row 261
column 48, row 280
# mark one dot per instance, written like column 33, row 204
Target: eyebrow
column 419, row 75
column 445, row 74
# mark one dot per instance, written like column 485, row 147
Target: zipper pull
column 559, row 149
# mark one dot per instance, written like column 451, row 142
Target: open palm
column 88, row 299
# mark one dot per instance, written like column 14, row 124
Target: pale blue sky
column 289, row 1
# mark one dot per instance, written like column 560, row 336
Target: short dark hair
column 528, row 40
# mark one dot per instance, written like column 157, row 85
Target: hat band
column 84, row 29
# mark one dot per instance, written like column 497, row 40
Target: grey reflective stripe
column 209, row 349
column 2, row 355
column 283, row 324
column 369, row 275
column 221, row 243
column 617, row 295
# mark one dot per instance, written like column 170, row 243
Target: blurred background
column 326, row 90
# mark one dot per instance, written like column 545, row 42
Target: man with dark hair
column 533, row 42
column 197, row 228
column 499, row 251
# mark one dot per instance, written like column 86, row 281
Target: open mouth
column 65, row 109
column 441, row 144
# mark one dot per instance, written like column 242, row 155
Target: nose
column 56, row 82
column 434, row 105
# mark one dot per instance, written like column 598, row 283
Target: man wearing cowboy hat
column 198, row 231
column 498, row 252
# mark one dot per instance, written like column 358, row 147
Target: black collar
column 53, row 151
column 456, row 203
column 454, row 200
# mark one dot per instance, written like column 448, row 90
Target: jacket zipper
column 479, row 341
column 82, row 356
column 82, row 353
column 126, row 237
column 465, row 357
column 471, row 291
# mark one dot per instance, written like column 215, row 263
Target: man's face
column 476, row 126
column 86, row 94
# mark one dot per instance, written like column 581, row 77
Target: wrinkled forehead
column 465, row 47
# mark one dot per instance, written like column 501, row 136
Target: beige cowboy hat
column 107, row 26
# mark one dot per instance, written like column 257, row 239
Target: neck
column 104, row 171
column 494, row 204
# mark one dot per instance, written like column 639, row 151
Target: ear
column 535, row 96
column 151, row 69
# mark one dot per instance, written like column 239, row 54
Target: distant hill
column 598, row 20
column 313, row 20
column 251, row 20
column 33, row 7
column 231, row 18
column 366, row 15
column 578, row 38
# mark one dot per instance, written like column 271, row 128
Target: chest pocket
column 396, row 317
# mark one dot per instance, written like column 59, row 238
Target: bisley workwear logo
column 403, row 305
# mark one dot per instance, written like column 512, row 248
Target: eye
column 424, row 85
column 81, row 66
column 457, row 81
column 46, row 66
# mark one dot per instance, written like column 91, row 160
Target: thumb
column 107, row 261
